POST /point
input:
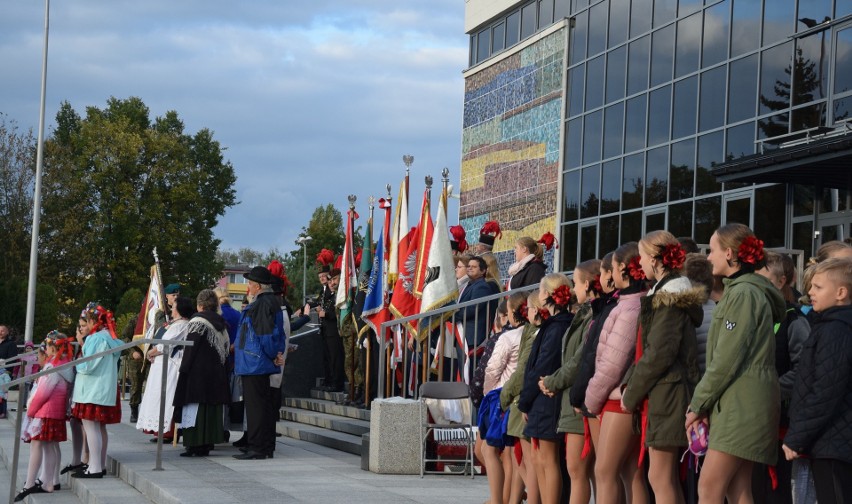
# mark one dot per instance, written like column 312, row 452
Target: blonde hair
column 222, row 295
column 782, row 265
column 532, row 246
column 589, row 271
column 493, row 272
column 731, row 236
column 533, row 305
column 827, row 249
column 807, row 276
column 838, row 270
column 654, row 242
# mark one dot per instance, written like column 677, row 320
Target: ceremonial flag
column 348, row 280
column 154, row 301
column 365, row 271
column 441, row 287
column 375, row 310
column 400, row 235
column 405, row 300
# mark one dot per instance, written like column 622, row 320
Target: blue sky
column 312, row 100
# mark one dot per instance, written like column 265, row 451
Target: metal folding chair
column 462, row 431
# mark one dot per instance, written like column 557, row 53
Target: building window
column 637, row 65
column 483, row 44
column 662, row 55
column 498, row 38
column 685, row 107
column 657, row 174
column 611, row 187
column 597, row 28
column 633, row 182
column 682, row 174
column 714, row 46
column 545, row 13
column 707, row 218
column 687, row 52
column 709, row 155
column 745, row 27
column 613, row 130
column 616, row 67
column 742, row 90
column 659, row 115
column 528, row 21
column 711, row 111
column 513, row 28
column 619, row 21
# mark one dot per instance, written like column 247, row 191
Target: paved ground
column 300, row 472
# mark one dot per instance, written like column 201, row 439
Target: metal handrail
column 22, row 397
column 20, row 356
column 438, row 312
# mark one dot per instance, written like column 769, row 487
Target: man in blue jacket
column 477, row 319
column 258, row 353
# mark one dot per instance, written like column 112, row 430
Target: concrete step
column 330, row 407
column 335, row 397
column 326, row 421
column 348, row 443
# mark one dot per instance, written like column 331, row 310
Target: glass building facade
column 659, row 92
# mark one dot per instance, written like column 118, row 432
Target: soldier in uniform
column 351, row 361
column 331, row 336
column 136, row 372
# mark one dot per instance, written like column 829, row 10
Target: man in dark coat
column 258, row 353
column 477, row 319
column 333, row 354
column 8, row 347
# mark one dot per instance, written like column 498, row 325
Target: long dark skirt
column 208, row 429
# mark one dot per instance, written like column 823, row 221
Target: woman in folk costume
column 149, row 408
column 96, row 400
column 46, row 412
column 202, row 388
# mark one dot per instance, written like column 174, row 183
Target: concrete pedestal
column 395, row 436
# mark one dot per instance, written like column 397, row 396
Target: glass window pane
column 662, row 55
column 592, row 137
column 619, row 13
column 740, row 141
column 812, row 12
column 655, row 221
column 631, row 227
column 613, row 130
column 715, row 43
column 640, row 16
column 771, row 201
column 745, row 30
column 597, row 20
column 810, row 76
column 590, row 194
column 498, row 37
column 842, row 109
column 659, row 115
column 637, row 79
column 685, row 107
column 773, row 126
column 664, row 11
column 562, row 9
column 578, row 37
column 545, row 13
column 803, row 200
column 842, row 8
column 738, row 210
column 803, row 233
column 528, row 20
column 742, row 93
column 808, row 117
column 688, row 46
column 616, row 68
column 680, row 219
column 632, row 182
column 682, row 174
column 576, row 80
column 513, row 28
column 611, row 186
column 843, row 62
column 778, row 19
column 483, row 45
column 634, row 131
column 712, row 106
column 594, row 82
column 569, row 247
column 709, row 155
column 685, row 7
column 775, row 78
column 657, row 168
column 608, row 239
column 580, row 4
column 708, row 218
column 574, row 143
column 571, row 192
column 588, row 242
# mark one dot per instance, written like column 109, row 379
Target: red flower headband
column 523, row 311
column 561, row 297
column 673, row 256
column 543, row 313
column 635, row 269
column 548, row 240
column 750, row 251
column 596, row 285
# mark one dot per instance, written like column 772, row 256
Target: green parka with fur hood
column 569, row 420
column 739, row 390
column 668, row 370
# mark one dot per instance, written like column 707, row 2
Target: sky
column 311, row 100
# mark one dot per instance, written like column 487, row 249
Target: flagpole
column 423, row 343
column 446, row 182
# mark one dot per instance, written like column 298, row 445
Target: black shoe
column 196, row 452
column 89, row 475
column 244, row 449
column 243, row 441
column 251, row 456
column 73, row 468
column 134, row 414
column 227, row 435
column 166, row 440
column 27, row 491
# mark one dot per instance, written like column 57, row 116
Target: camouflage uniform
column 351, row 359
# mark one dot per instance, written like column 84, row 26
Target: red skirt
column 99, row 412
column 52, row 429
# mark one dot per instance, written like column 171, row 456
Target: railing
column 22, row 398
column 409, row 385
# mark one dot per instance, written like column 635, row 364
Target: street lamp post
column 303, row 241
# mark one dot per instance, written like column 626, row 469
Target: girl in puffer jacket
column 47, row 412
column 616, row 473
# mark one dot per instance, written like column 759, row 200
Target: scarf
column 218, row 340
column 518, row 266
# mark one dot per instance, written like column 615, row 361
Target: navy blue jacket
column 477, row 319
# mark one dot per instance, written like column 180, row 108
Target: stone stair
column 321, row 420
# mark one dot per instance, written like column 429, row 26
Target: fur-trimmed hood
column 678, row 292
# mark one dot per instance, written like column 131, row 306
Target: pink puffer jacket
column 503, row 361
column 51, row 395
column 615, row 352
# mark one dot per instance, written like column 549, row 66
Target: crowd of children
column 606, row 382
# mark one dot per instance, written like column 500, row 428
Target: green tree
column 17, row 175
column 326, row 231
column 130, row 302
column 116, row 185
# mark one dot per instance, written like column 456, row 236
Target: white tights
column 96, row 439
column 44, row 462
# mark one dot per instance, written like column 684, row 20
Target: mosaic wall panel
column 510, row 145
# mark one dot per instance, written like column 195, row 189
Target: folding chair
column 463, row 430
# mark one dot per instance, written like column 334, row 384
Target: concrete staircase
column 319, row 419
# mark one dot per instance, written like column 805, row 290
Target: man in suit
column 477, row 319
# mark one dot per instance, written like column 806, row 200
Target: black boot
column 134, row 413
